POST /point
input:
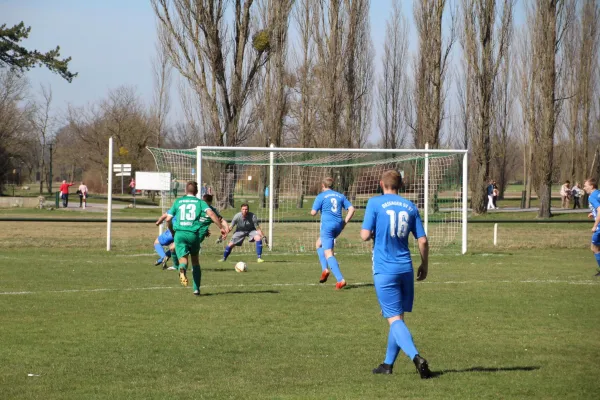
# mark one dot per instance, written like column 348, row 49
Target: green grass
column 493, row 324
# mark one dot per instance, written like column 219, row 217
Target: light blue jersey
column 392, row 217
column 330, row 203
column 594, row 201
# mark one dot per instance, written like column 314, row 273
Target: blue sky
column 112, row 42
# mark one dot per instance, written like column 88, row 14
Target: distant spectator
column 576, row 192
column 490, row 195
column 204, row 189
column 565, row 194
column 174, row 187
column 83, row 193
column 132, row 186
column 495, row 194
column 64, row 193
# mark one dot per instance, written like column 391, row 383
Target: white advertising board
column 152, row 180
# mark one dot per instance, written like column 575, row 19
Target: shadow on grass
column 218, row 269
column 484, row 369
column 358, row 286
column 242, row 292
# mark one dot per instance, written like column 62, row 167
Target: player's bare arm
column 313, row 212
column 349, row 215
column 424, row 250
column 161, row 219
column 211, row 214
column 365, row 235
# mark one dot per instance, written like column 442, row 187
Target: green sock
column 197, row 277
column 182, row 266
column 175, row 259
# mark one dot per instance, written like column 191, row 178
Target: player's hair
column 207, row 198
column 327, row 182
column 391, row 179
column 593, row 182
column 192, row 188
column 567, row 182
column 245, row 205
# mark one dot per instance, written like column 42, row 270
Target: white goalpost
column 280, row 184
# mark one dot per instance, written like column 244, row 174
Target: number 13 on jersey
column 187, row 212
column 400, row 221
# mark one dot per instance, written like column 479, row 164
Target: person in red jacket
column 64, row 192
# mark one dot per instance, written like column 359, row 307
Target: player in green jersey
column 189, row 210
column 205, row 222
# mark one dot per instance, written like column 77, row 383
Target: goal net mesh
column 236, row 177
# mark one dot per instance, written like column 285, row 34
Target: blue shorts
column 395, row 293
column 165, row 238
column 328, row 235
column 596, row 237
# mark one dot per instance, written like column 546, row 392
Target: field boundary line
column 535, row 281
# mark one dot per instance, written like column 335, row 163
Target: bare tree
column 303, row 107
column 430, row 69
column 552, row 20
column 198, row 41
column 272, row 95
column 162, row 73
column 571, row 50
column 485, row 51
column 43, row 125
column 327, row 29
column 391, row 85
column 122, row 116
column 220, row 66
column 502, row 142
column 13, row 122
column 588, row 65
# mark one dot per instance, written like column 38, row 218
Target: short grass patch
column 87, row 323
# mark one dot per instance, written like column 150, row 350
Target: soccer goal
column 280, row 185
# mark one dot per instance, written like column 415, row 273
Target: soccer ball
column 241, row 267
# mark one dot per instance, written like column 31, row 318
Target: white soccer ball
column 241, row 267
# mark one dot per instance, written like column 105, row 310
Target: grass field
column 519, row 323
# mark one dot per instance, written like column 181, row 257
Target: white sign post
column 122, row 170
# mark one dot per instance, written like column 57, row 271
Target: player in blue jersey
column 164, row 239
column 591, row 188
column 330, row 203
column 389, row 219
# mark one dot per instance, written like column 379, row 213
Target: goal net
column 280, row 185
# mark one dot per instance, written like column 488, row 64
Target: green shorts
column 186, row 243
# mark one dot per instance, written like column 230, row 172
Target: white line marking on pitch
column 551, row 281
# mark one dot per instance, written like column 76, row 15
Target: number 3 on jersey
column 187, row 212
column 400, row 221
column 334, row 204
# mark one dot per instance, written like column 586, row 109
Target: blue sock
column 322, row 259
column 168, row 253
column 226, row 252
column 259, row 248
column 335, row 268
column 196, row 276
column 403, row 338
column 597, row 255
column 392, row 350
column 159, row 250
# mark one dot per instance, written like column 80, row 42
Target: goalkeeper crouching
column 246, row 226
